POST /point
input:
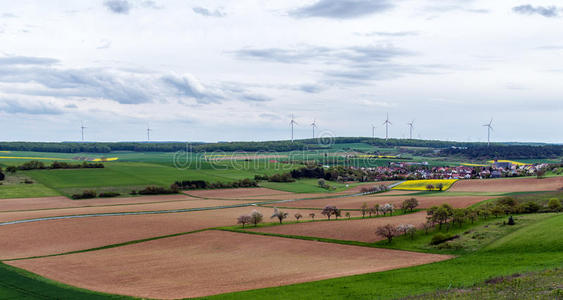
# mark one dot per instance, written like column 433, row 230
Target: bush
column 88, row 194
column 2, row 176
column 109, row 194
column 554, row 204
column 511, row 220
column 529, row 207
column 156, row 190
column 133, row 192
column 439, row 238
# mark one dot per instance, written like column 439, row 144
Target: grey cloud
column 208, row 13
column 307, row 54
column 393, row 34
column 189, row 87
column 343, row 9
column 311, row 88
column 25, row 60
column 549, row 12
column 254, row 97
column 118, row 6
column 35, row 108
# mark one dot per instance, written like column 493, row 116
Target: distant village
column 412, row 171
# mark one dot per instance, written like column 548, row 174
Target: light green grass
column 13, row 187
column 307, row 186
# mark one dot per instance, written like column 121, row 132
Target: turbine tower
column 411, row 126
column 314, row 125
column 387, row 123
column 82, row 127
column 148, row 133
column 373, row 131
column 489, row 129
column 292, row 123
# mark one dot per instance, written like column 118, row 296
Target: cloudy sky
column 237, row 70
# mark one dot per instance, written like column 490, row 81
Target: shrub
column 529, row 207
column 2, row 176
column 88, row 194
column 133, row 192
column 554, row 204
column 109, row 194
column 156, row 190
column 511, row 220
column 439, row 238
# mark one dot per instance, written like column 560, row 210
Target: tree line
column 506, row 152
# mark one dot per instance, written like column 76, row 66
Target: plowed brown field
column 58, row 236
column 215, row 262
column 508, row 185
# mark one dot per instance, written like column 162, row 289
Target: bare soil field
column 351, row 230
column 64, row 235
column 356, row 202
column 171, row 205
column 178, row 267
column 241, row 193
column 63, row 202
column 508, row 185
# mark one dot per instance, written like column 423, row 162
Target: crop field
column 421, row 185
column 157, row 269
column 142, row 246
column 508, row 185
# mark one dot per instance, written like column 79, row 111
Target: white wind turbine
column 82, row 127
column 292, row 123
column 373, row 131
column 489, row 129
column 314, row 125
column 411, row 127
column 387, row 123
column 148, row 132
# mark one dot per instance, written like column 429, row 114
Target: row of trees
column 447, row 216
column 506, row 151
column 201, row 184
column 39, row 165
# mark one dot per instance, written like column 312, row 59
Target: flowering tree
column 298, row 216
column 244, row 219
column 387, row 231
column 280, row 215
column 256, row 217
column 312, row 215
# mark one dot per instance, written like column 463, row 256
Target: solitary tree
column 244, row 219
column 388, row 231
column 256, row 217
column 409, row 204
column 329, row 210
column 298, row 216
column 280, row 215
column 312, row 215
column 440, row 187
column 348, row 215
column 364, row 209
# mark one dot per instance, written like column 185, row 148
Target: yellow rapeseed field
column 510, row 161
column 106, row 159
column 421, row 185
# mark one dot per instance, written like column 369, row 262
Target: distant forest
column 464, row 149
column 506, row 152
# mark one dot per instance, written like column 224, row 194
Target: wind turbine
column 292, row 123
column 489, row 129
column 373, row 131
column 411, row 126
column 148, row 132
column 82, row 127
column 387, row 123
column 314, row 125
